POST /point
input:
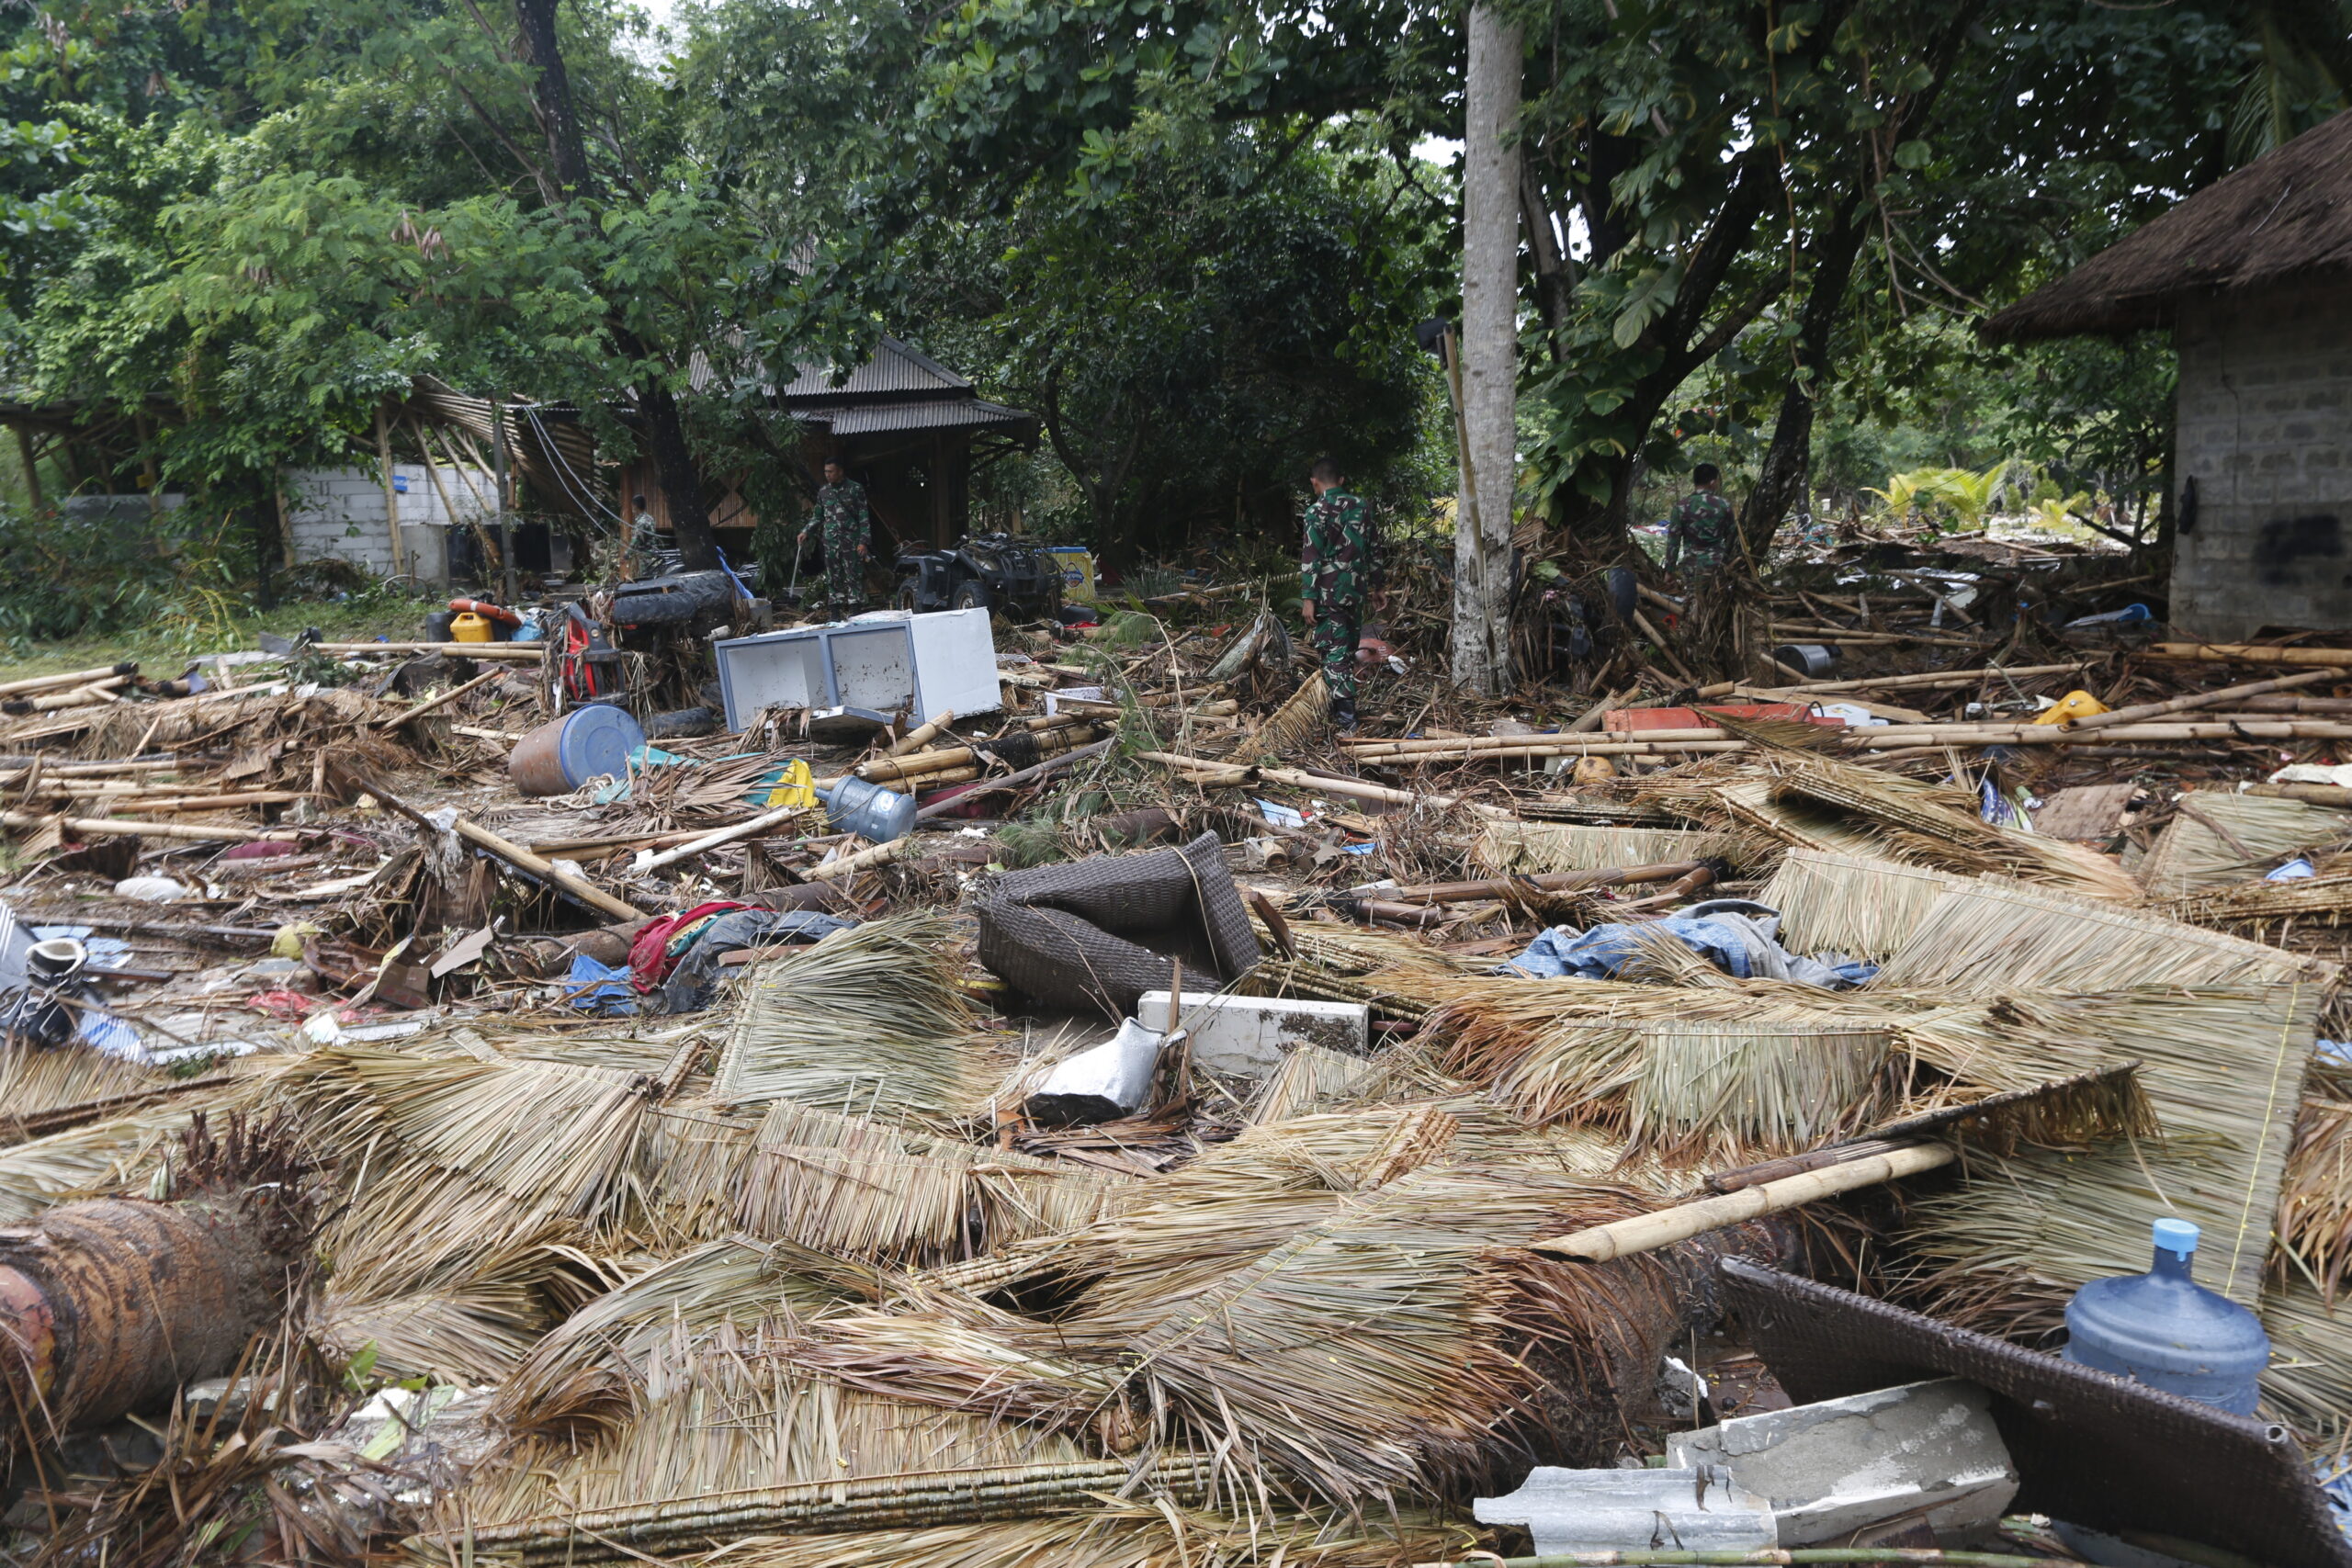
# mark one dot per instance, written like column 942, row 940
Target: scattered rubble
column 1098, row 1115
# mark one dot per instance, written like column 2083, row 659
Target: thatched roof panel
column 2284, row 217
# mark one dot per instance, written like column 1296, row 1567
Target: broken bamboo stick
column 66, row 678
column 123, row 826
column 921, row 736
column 443, row 700
column 866, row 860
column 2220, row 697
column 1664, row 1227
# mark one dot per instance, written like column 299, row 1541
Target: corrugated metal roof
column 878, row 419
column 896, row 371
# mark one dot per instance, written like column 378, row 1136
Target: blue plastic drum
column 588, row 743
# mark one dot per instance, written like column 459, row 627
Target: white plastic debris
column 1101, row 1083
column 1631, row 1510
column 151, row 889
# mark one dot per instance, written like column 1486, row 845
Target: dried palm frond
column 1864, row 905
column 1570, row 846
column 1311, row 1077
column 553, row 1136
column 2218, row 837
column 1742, row 1090
column 868, row 1021
column 1747, row 804
column 855, row 1188
column 125, row 1154
column 589, row 1373
column 33, row 1082
column 1990, row 938
column 2223, row 1068
column 2316, row 1208
column 1292, row 728
column 2309, row 1379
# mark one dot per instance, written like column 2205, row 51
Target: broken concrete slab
column 1698, row 1509
column 1925, row 1449
column 1250, row 1036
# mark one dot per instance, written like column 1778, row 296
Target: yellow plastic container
column 466, row 626
column 1077, row 567
column 2072, row 706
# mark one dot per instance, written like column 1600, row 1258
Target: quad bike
column 984, row 570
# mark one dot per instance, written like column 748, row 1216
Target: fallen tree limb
column 512, row 853
column 1035, row 771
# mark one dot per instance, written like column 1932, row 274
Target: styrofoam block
column 1830, row 1469
column 1249, row 1036
column 1700, row 1509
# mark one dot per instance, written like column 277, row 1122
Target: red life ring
column 491, row 612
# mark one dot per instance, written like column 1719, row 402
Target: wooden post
column 503, row 478
column 33, row 470
column 391, row 494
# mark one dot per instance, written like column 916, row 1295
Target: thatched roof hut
column 2287, row 217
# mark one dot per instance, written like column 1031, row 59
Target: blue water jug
column 2164, row 1329
column 870, row 810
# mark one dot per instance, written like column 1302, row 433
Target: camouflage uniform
column 1336, row 569
column 1704, row 525
column 842, row 522
column 642, row 556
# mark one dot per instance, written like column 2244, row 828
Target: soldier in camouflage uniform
column 1702, row 525
column 1336, row 569
column 845, row 524
column 641, row 550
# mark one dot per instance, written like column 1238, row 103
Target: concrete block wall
column 2265, row 427
column 340, row 512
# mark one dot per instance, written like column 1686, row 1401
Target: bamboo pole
column 64, row 677
column 515, row 651
column 1035, row 771
column 443, row 700
column 866, row 860
column 2317, row 794
column 515, row 854
column 1944, row 678
column 649, row 860
column 2220, row 697
column 921, row 736
column 118, row 828
column 1664, row 1227
column 391, row 492
column 75, row 697
column 1771, row 1557
column 2251, row 653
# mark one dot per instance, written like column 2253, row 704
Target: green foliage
column 85, row 572
column 1939, row 492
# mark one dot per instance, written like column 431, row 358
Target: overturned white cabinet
column 875, row 666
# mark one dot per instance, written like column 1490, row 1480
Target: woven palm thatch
column 715, row 1522
column 120, row 1155
column 2218, row 837
column 1572, row 846
column 853, row 1188
column 1990, row 938
column 471, row 1320
column 868, row 1021
column 737, row 1406
column 2309, row 1379
column 1862, row 905
column 2222, row 1068
column 1937, row 825
column 689, row 1168
column 591, row 1370
column 1121, row 1536
column 2325, row 900
column 1384, row 1349
column 2281, row 218
column 1747, row 1089
column 1311, row 1079
column 554, row 1136
column 1745, row 803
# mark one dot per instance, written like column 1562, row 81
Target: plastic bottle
column 2164, row 1329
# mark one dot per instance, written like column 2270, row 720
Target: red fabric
column 649, row 955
